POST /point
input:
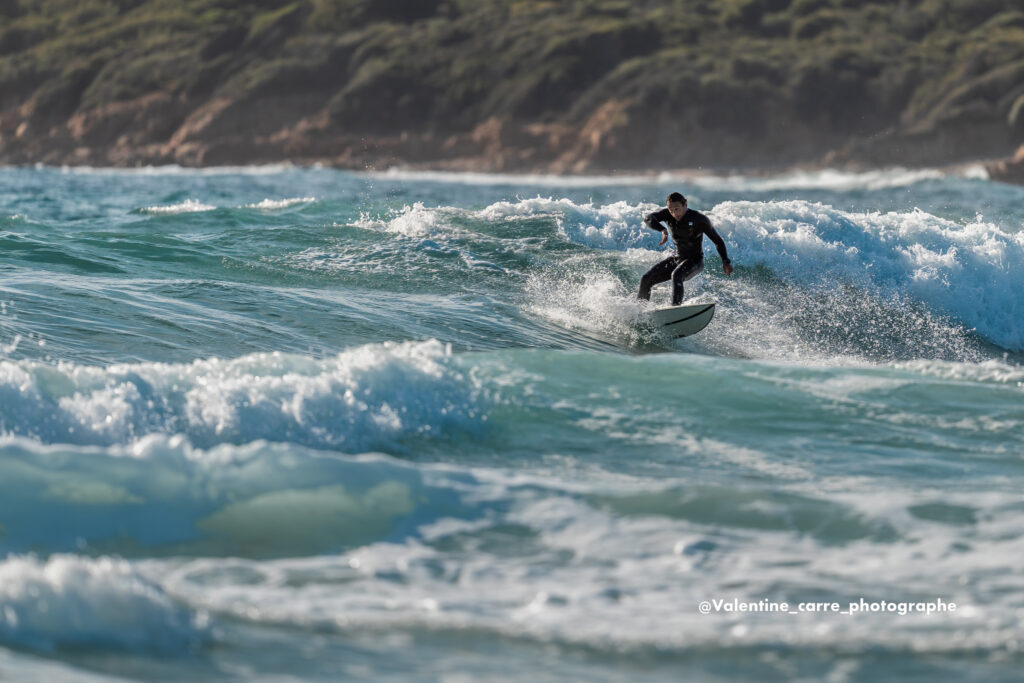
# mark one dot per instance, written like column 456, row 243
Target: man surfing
column 688, row 228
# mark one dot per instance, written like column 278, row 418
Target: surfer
column 688, row 228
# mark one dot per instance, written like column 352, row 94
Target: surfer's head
column 676, row 204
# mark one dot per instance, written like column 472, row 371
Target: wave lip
column 367, row 398
column 611, row 226
column 69, row 601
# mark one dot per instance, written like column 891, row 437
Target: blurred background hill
column 569, row 86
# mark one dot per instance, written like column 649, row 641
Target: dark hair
column 676, row 197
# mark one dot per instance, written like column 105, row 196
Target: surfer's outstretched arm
column 720, row 246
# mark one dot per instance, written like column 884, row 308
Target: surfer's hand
column 727, row 267
column 664, row 237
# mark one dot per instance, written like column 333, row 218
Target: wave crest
column 69, row 601
column 365, row 398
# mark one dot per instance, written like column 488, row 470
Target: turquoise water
column 269, row 422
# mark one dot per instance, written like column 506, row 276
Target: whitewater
column 277, row 422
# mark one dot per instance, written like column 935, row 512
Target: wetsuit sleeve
column 652, row 220
column 717, row 239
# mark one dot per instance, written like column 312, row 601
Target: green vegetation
column 727, row 81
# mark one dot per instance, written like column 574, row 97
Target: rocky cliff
column 580, row 85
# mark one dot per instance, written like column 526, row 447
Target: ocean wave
column 69, row 601
column 289, row 538
column 366, row 398
column 968, row 271
column 162, row 495
column 418, row 398
column 599, row 569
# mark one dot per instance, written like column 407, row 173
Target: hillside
column 581, row 85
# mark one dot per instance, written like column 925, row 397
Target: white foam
column 68, row 601
column 612, row 226
column 583, row 297
column 633, row 575
column 174, row 169
column 827, row 179
column 822, row 179
column 528, row 179
column 971, row 271
column 992, row 370
column 364, row 398
column 271, row 204
column 187, row 206
column 11, row 346
column 254, row 500
column 411, row 221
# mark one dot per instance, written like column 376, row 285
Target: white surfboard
column 682, row 321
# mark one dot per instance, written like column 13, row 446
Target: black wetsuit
column 688, row 234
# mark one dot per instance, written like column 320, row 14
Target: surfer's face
column 677, row 209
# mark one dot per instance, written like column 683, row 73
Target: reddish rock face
column 587, row 86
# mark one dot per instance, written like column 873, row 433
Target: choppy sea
column 286, row 423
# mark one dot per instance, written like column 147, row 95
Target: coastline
column 571, row 88
column 799, row 173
